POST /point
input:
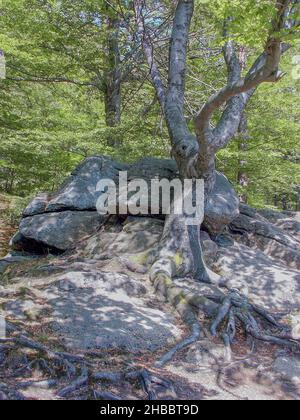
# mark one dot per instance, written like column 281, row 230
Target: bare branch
column 49, row 80
column 44, row 79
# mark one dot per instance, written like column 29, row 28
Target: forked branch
column 265, row 69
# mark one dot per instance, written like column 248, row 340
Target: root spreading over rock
column 98, row 294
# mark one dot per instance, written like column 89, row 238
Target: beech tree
column 195, row 151
column 97, row 43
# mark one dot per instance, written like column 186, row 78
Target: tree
column 81, row 42
column 195, row 154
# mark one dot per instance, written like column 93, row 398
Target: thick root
column 224, row 309
column 75, row 385
column 152, row 385
column 195, row 336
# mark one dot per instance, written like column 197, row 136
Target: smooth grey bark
column 180, row 253
column 195, row 154
column 238, row 92
column 184, row 144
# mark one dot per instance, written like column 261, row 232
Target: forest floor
column 94, row 308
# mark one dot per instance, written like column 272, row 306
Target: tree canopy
column 66, row 61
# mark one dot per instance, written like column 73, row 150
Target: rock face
column 57, row 221
column 55, row 231
column 138, row 235
column 210, row 248
column 90, row 309
column 93, row 300
column 257, row 232
column 269, row 283
column 107, row 310
column 93, row 309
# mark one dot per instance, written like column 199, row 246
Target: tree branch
column 265, row 69
column 231, row 117
column 42, row 79
column 178, row 53
column 50, row 80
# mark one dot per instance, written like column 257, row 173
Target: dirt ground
column 48, row 300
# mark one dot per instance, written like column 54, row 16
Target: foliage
column 52, row 102
column 272, row 156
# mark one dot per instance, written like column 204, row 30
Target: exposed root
column 229, row 335
column 107, row 396
column 195, row 336
column 49, row 383
column 8, row 393
column 41, row 363
column 75, row 385
column 224, row 309
column 222, row 314
column 252, row 328
column 151, row 384
column 108, row 376
column 64, row 360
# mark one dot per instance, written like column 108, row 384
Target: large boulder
column 287, row 221
column 290, row 226
column 55, row 232
column 79, row 191
column 57, row 221
column 138, row 235
column 253, row 230
column 269, row 283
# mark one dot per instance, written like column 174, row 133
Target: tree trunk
column 112, row 76
column 243, row 138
